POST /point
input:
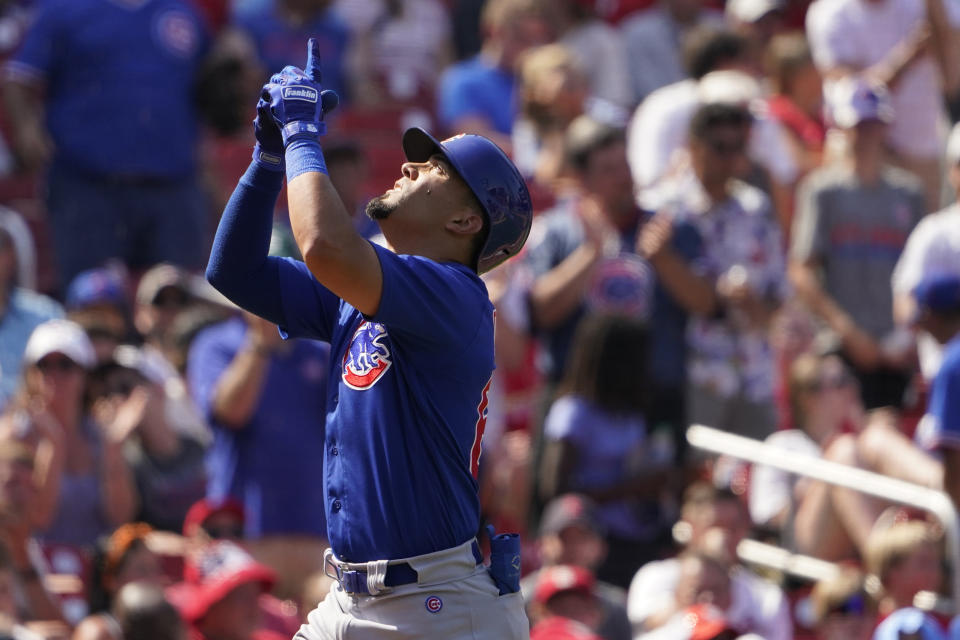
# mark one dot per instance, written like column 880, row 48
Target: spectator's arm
column 558, row 293
column 694, row 293
column 236, row 394
column 25, row 107
column 559, row 456
column 40, row 603
column 946, row 48
column 117, row 484
column 48, row 469
column 914, row 46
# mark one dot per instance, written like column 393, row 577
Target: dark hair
column 585, row 135
column 608, row 361
column 343, row 150
column 144, row 613
column 718, row 114
column 707, row 49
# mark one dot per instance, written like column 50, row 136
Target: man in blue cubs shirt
column 101, row 94
column 411, row 335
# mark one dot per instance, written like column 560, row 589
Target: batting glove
column 297, row 100
column 268, row 152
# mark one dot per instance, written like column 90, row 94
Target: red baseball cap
column 204, row 508
column 563, row 578
column 211, row 574
column 705, row 622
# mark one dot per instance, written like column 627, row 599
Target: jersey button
column 337, row 505
column 335, row 451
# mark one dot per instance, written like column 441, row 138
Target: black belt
column 355, row 581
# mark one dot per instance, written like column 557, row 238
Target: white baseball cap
column 751, row 10
column 60, row 336
column 852, row 100
column 953, row 146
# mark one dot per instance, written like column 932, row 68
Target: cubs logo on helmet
column 367, row 357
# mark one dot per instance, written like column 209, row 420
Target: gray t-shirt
column 856, row 233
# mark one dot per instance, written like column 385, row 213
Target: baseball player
column 411, row 334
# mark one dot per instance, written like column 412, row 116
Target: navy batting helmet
column 493, row 179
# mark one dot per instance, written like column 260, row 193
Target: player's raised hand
column 268, row 152
column 297, row 100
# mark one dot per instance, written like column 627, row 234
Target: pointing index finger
column 313, row 59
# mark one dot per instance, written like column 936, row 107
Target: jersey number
column 478, row 432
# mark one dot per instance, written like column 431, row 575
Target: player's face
column 420, row 198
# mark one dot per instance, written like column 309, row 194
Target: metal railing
column 890, row 489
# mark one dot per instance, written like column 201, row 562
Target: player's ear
column 466, row 221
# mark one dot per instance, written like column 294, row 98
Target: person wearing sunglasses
column 819, row 519
column 841, row 608
column 87, row 488
column 730, row 363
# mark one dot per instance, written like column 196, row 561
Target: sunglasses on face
column 57, row 363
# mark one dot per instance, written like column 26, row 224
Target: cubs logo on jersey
column 367, row 357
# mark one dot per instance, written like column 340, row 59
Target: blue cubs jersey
column 406, row 404
column 119, row 82
column 940, row 427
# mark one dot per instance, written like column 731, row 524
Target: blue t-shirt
column 119, row 83
column 609, row 449
column 474, row 88
column 280, row 43
column 941, row 426
column 272, row 464
column 624, row 283
column 407, row 404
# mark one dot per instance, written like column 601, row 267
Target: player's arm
column 337, row 256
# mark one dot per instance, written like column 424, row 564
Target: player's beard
column 379, row 209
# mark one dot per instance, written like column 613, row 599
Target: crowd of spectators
column 746, row 217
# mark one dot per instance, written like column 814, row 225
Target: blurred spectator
column 208, row 522
column 261, row 395
column 567, row 607
column 841, row 607
column 654, row 40
column 97, row 300
column 597, row 443
column 571, row 534
column 404, row 45
column 730, row 364
column 713, row 521
column 123, row 558
column 97, row 628
column 851, row 224
column 478, row 95
column 167, row 465
column 933, row 247
column 553, row 92
column 22, row 568
column 721, row 71
column 229, row 75
column 907, row 558
column 757, row 20
column 796, row 99
column 702, row 597
column 315, row 589
column 907, row 46
column 143, row 613
column 599, row 50
column 21, row 309
column 597, row 252
column 280, row 29
column 814, row 518
column 129, row 80
column 164, row 294
column 86, row 487
column 218, row 597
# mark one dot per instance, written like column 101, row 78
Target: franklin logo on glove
column 300, row 93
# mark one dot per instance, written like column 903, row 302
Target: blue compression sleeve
column 239, row 267
column 302, row 156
